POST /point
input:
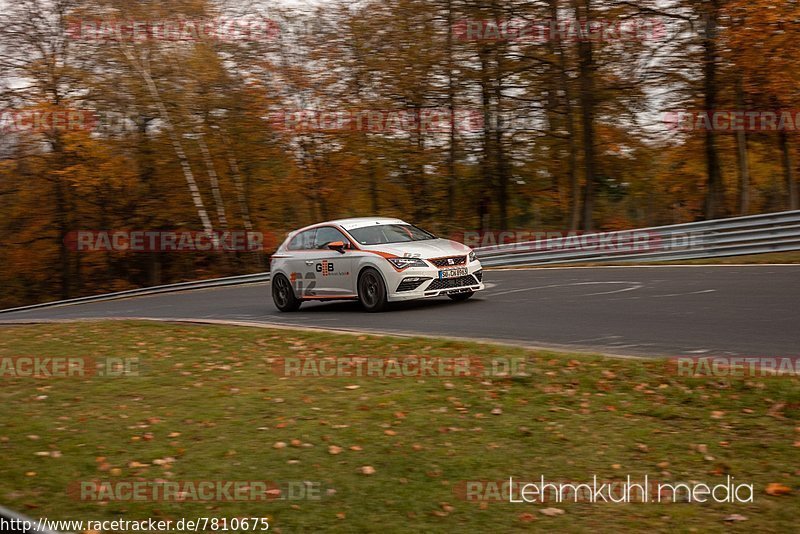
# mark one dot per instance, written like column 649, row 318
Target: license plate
column 452, row 273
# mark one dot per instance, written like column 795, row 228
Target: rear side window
column 327, row 235
column 303, row 240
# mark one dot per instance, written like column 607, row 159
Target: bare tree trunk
column 487, row 169
column 502, row 166
column 588, row 103
column 194, row 191
column 213, row 179
column 715, row 195
column 788, row 170
column 422, row 203
column 569, row 121
column 146, row 175
column 373, row 188
column 63, row 229
column 741, row 150
column 241, row 195
column 451, row 106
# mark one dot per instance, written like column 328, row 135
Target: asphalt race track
column 645, row 311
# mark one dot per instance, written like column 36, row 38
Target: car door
column 303, row 275
column 334, row 269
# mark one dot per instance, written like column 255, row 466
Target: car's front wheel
column 283, row 294
column 372, row 290
column 460, row 297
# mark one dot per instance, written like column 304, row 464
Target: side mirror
column 338, row 246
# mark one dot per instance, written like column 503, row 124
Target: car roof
column 357, row 222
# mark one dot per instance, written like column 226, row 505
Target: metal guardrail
column 145, row 291
column 753, row 234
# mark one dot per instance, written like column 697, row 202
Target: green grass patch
column 209, row 406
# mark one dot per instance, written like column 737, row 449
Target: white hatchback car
column 374, row 260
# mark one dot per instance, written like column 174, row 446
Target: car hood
column 432, row 248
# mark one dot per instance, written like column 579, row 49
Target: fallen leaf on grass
column 776, row 410
column 735, row 517
column 527, row 517
column 778, row 489
column 552, row 511
column 367, row 470
column 333, row 449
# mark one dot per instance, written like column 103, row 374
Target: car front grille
column 449, row 283
column 479, row 275
column 449, row 262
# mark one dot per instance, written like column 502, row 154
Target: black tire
column 461, row 297
column 283, row 295
column 372, row 290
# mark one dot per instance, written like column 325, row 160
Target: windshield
column 389, row 233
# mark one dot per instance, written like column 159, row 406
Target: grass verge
column 208, row 405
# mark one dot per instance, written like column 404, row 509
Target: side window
column 303, row 241
column 327, row 234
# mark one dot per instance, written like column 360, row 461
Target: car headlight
column 405, row 263
column 472, row 256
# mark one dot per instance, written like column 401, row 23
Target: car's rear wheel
column 461, row 297
column 283, row 294
column 372, row 290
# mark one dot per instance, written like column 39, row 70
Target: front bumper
column 428, row 283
